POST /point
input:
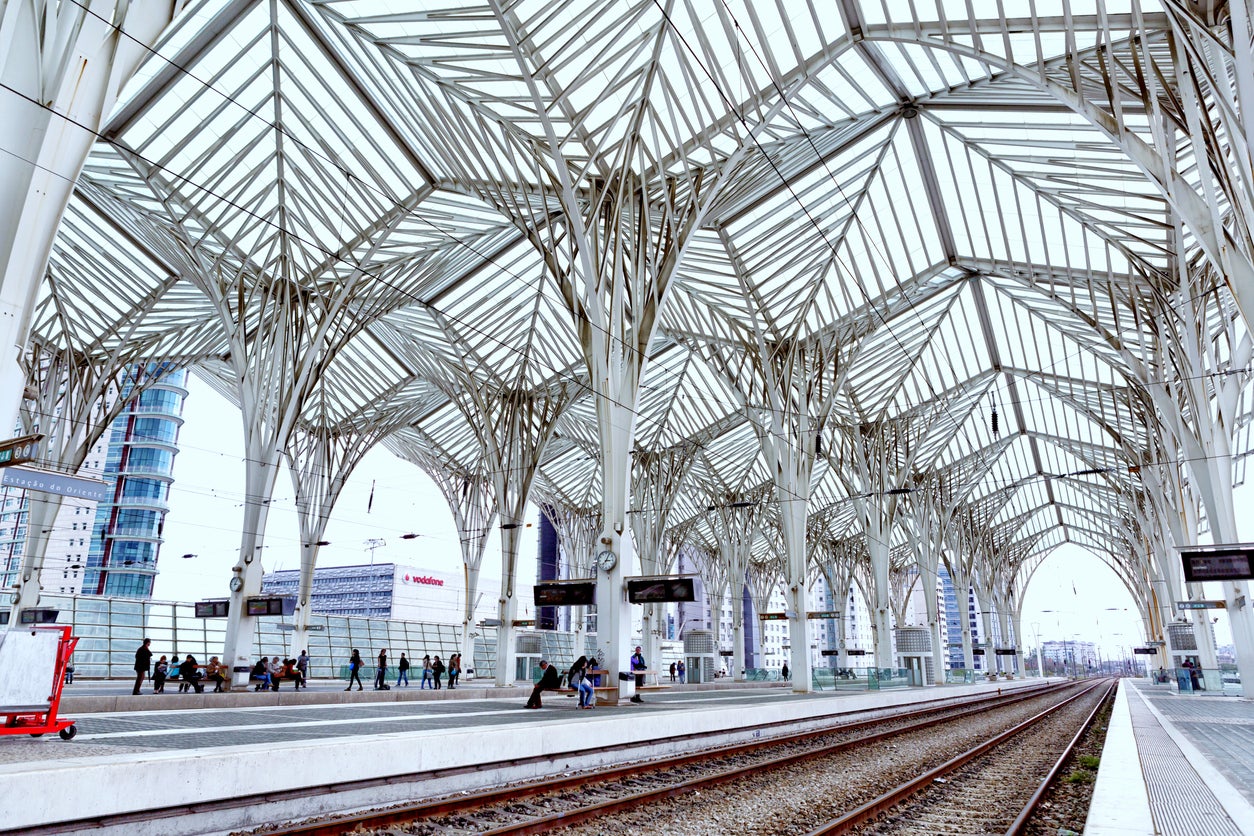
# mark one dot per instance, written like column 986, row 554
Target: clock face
column 607, row 560
column 237, row 583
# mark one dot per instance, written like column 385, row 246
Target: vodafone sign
column 424, row 580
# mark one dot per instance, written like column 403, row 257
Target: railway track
column 990, row 788
column 594, row 796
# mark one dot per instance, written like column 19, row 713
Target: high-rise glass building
column 952, row 614
column 139, row 463
column 111, row 547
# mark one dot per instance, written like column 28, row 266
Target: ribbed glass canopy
column 998, row 282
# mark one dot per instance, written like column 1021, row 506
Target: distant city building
column 109, row 548
column 383, row 590
column 952, row 615
column 1069, row 655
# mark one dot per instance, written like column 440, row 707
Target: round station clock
column 607, row 560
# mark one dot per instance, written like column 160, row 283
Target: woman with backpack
column 437, row 670
column 578, row 679
column 354, row 667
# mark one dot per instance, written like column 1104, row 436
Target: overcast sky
column 1071, row 596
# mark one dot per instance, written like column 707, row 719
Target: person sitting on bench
column 261, row 674
column 189, row 672
column 550, row 680
column 216, row 672
column 290, row 671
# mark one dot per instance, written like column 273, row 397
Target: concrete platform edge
column 1229, row 797
column 1120, row 805
column 122, row 784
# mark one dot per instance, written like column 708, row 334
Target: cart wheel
column 68, row 732
column 40, row 734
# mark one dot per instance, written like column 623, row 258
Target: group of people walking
column 433, row 670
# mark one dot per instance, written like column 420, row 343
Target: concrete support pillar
column 259, row 478
column 738, row 628
column 616, row 420
column 881, row 610
column 466, row 639
column 507, row 607
column 793, row 513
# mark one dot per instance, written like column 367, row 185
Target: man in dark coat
column 143, row 661
column 549, row 681
column 638, row 664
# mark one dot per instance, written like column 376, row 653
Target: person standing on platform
column 784, row 672
column 638, row 664
column 402, row 675
column 549, row 681
column 380, row 676
column 302, row 665
column 682, row 669
column 672, row 671
column 354, row 670
column 437, row 671
column 143, row 660
column 454, row 670
column 426, row 672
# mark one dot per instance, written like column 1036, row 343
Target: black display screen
column 565, row 594
column 212, row 609
column 1217, row 563
column 660, row 590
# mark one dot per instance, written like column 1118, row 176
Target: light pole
column 1040, row 658
column 372, row 544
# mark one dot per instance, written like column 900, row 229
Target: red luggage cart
column 29, row 658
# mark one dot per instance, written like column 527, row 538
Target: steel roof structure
column 968, row 280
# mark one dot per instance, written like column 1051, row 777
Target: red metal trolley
column 29, row 656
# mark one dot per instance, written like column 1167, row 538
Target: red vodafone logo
column 425, row 580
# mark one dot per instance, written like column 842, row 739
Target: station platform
column 257, row 758
column 1175, row 765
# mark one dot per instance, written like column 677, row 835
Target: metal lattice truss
column 1012, row 249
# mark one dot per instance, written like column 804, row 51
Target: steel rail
column 895, row 796
column 179, row 811
column 460, row 804
column 1020, row 823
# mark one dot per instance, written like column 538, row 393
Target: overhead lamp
column 410, row 536
column 189, row 556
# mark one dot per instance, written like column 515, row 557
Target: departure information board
column 1217, row 563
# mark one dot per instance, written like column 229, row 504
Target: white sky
column 1072, row 595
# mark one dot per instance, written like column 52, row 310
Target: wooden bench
column 657, row 680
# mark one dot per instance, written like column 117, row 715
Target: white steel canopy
column 1005, row 254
